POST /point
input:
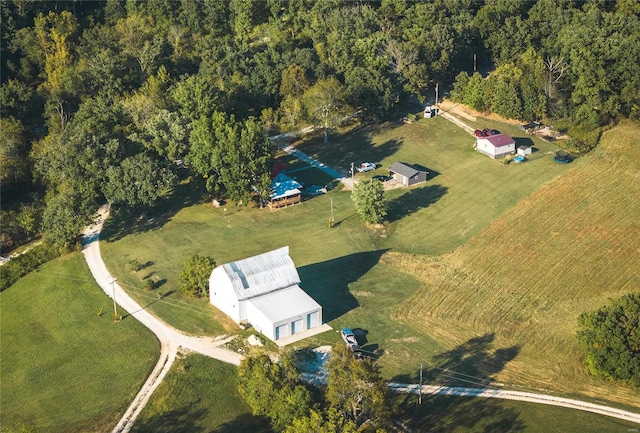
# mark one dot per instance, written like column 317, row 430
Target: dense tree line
column 101, row 100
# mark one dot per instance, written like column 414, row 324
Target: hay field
column 522, row 282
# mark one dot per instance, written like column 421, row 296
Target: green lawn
column 461, row 414
column 465, row 192
column 199, row 395
column 468, row 192
column 65, row 367
column 524, row 280
column 358, row 273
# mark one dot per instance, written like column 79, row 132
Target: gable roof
column 405, row 169
column 261, row 274
column 499, row 140
column 283, row 186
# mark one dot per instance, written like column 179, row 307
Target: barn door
column 296, row 326
column 281, row 331
column 312, row 320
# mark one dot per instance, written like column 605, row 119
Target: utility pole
column 437, row 98
column 331, row 212
column 420, row 390
column 474, row 62
column 116, row 318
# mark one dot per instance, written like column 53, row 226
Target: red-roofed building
column 496, row 146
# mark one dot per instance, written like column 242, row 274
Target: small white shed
column 524, row 150
column 496, row 146
column 263, row 291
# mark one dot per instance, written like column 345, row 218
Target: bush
column 20, row 266
column 611, row 339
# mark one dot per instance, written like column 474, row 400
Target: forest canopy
column 102, row 101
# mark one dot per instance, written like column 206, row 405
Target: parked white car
column 366, row 166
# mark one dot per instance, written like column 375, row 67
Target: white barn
column 263, row 291
column 496, row 146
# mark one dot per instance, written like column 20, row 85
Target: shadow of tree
column 245, row 423
column 328, row 282
column 186, row 420
column 172, row 421
column 354, row 146
column 451, row 414
column 125, row 220
column 414, row 200
column 473, row 363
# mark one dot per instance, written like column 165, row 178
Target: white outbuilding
column 496, row 146
column 263, row 291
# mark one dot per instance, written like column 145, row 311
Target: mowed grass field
column 465, row 191
column 65, row 368
column 481, row 415
column 199, row 395
column 521, row 283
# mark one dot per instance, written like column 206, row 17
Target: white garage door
column 281, row 331
column 312, row 319
column 296, row 326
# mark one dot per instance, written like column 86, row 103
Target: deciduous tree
column 356, row 389
column 369, row 200
column 273, row 389
column 610, row 337
column 194, row 277
column 137, row 181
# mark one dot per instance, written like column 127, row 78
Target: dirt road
column 171, row 340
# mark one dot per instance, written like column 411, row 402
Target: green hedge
column 21, row 265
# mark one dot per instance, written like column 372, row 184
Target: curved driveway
column 171, row 340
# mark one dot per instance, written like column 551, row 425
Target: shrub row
column 21, row 265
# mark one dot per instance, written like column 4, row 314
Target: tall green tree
column 356, row 389
column 235, row 157
column 325, row 103
column 329, row 421
column 611, row 339
column 14, row 163
column 166, row 134
column 66, row 214
column 138, row 181
column 369, row 200
column 273, row 389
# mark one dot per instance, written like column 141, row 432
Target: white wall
column 222, row 296
column 484, row 146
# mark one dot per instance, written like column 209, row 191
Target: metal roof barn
column 263, row 291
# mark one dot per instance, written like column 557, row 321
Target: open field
column 358, row 274
column 521, row 283
column 465, row 191
column 470, row 186
column 199, row 395
column 65, row 368
column 468, row 415
column 189, row 400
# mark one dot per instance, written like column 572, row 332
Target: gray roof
column 261, row 274
column 405, row 169
column 280, row 305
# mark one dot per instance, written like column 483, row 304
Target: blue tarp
column 283, row 186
